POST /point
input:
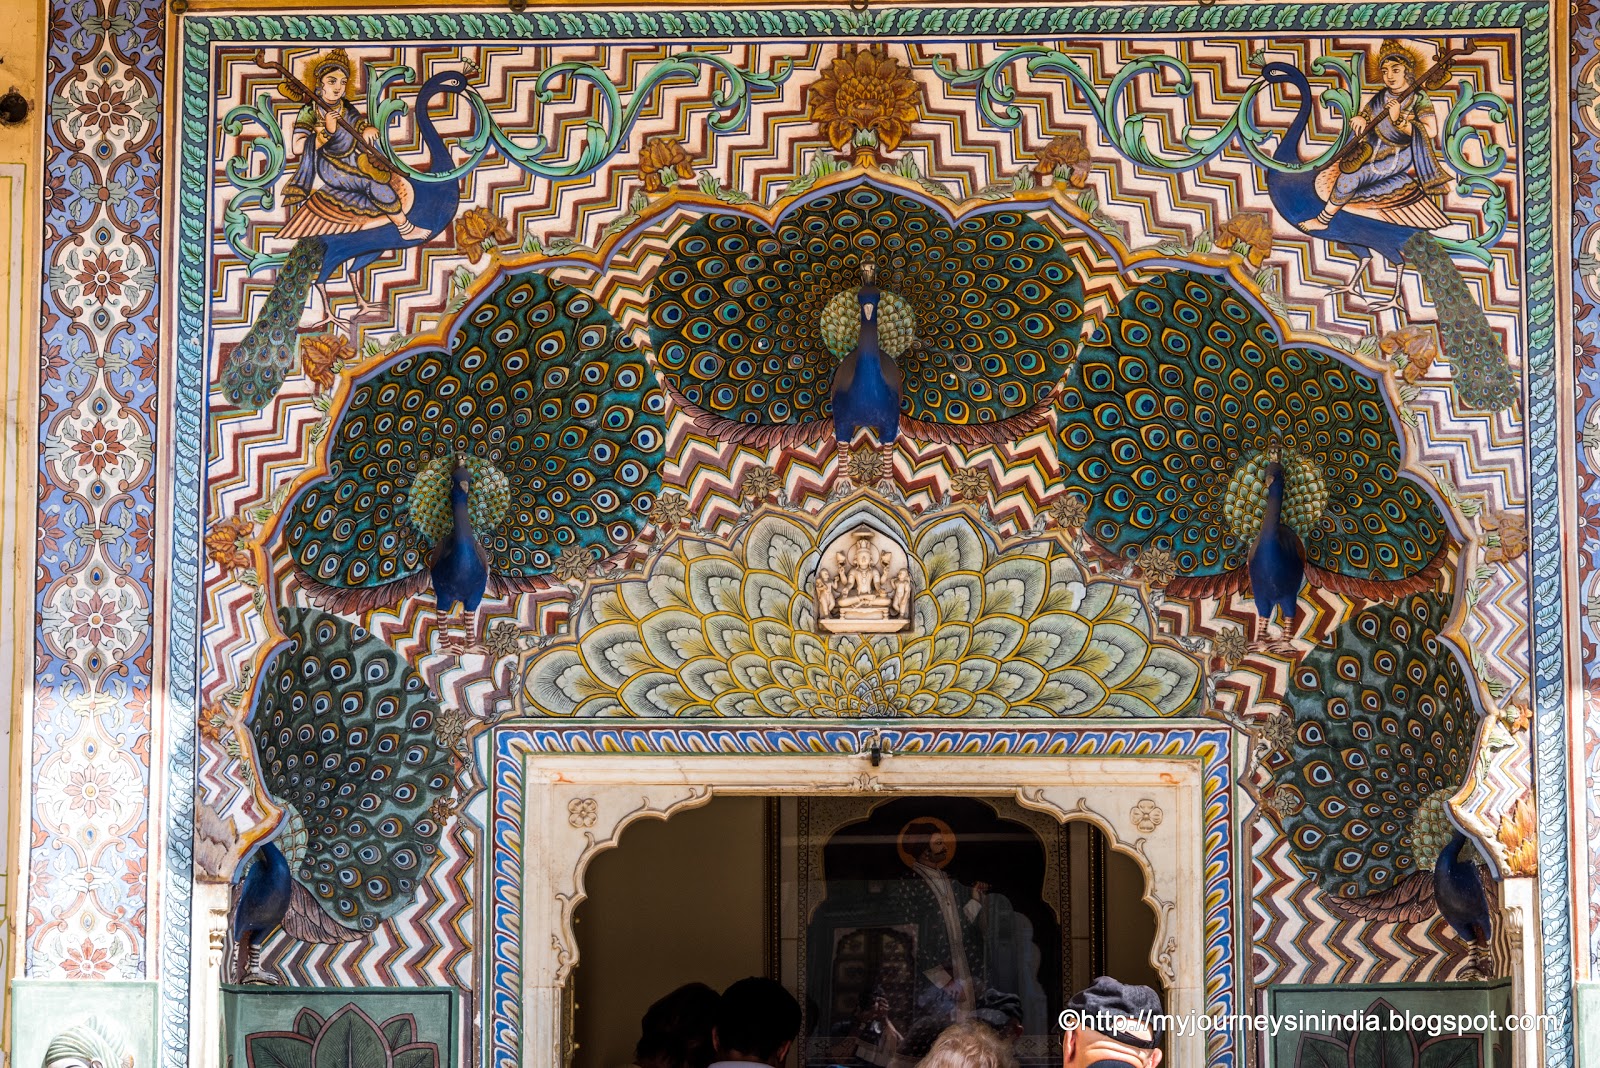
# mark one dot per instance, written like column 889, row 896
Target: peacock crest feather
column 748, row 322
column 1384, row 728
column 1177, row 399
column 551, row 406
column 841, row 323
column 344, row 737
column 429, row 501
column 1244, row 502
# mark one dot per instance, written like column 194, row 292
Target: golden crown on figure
column 1397, row 50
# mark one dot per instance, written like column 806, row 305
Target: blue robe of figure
column 459, row 567
column 866, row 387
column 1458, row 891
column 264, row 897
column 1277, row 562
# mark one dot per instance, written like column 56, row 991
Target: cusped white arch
column 566, row 795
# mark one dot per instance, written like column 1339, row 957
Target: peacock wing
column 1384, row 724
column 1410, row 900
column 308, row 921
column 344, row 732
column 749, row 321
column 550, row 405
column 1167, row 426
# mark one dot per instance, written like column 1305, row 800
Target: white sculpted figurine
column 866, row 593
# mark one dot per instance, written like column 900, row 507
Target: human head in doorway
column 676, row 1031
column 973, row 1044
column 926, row 843
column 1112, row 1025
column 756, row 1023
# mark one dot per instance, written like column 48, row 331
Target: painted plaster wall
column 114, row 707
column 20, row 182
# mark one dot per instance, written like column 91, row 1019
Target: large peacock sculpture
column 762, row 335
column 1484, row 378
column 1181, row 407
column 254, row 370
column 1380, row 735
column 539, row 420
column 343, row 732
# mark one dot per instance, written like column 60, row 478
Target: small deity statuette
column 864, row 593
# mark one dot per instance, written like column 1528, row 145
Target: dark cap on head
column 998, row 1009
column 1120, row 1011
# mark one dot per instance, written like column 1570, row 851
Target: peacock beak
column 867, row 310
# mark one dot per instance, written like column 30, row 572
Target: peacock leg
column 255, row 974
column 1354, row 286
column 1480, row 962
column 1392, row 301
column 328, row 318
column 366, row 310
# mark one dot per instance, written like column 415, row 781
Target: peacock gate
column 926, row 504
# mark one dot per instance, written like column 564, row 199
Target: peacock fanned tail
column 1166, row 426
column 548, row 402
column 254, row 371
column 1483, row 377
column 1383, row 720
column 749, row 322
column 344, row 733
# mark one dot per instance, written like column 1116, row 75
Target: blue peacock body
column 546, row 401
column 980, row 317
column 1178, row 400
column 344, row 735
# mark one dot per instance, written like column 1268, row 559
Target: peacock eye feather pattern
column 549, row 406
column 980, row 318
column 344, row 737
column 1180, row 404
column 1384, row 727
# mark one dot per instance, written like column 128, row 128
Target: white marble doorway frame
column 562, row 795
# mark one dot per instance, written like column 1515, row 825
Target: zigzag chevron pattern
column 254, row 459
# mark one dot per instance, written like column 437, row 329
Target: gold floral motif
column 1231, row 645
column 1418, row 346
column 668, row 511
column 759, row 483
column 971, row 483
column 228, row 544
column 450, row 728
column 1512, row 529
column 322, row 355
column 441, row 809
column 573, row 564
column 1066, row 155
column 1253, row 231
column 1069, row 511
column 478, row 230
column 865, row 98
column 661, row 159
column 1158, row 566
column 1519, row 835
column 1283, row 800
column 866, row 466
column 503, row 639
